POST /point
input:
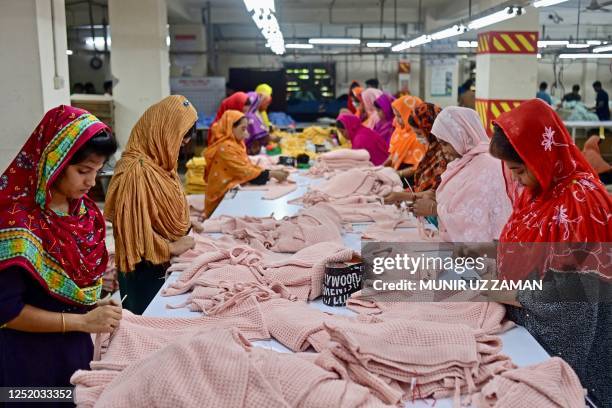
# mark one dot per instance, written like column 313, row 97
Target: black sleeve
column 262, row 179
column 12, row 289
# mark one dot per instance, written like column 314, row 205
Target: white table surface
column 517, row 342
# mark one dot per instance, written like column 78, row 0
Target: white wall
column 27, row 69
column 178, row 60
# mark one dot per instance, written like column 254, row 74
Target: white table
column 573, row 125
column 517, row 342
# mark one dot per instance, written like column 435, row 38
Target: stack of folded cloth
column 194, row 178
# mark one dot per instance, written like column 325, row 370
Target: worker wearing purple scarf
column 384, row 127
column 258, row 132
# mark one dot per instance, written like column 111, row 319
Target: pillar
column 506, row 66
column 34, row 68
column 139, row 32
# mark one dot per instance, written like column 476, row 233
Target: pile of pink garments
column 340, row 160
column 216, row 277
column 291, row 234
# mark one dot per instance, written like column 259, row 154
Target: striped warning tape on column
column 509, row 42
column 490, row 109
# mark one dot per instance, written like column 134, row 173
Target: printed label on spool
column 341, row 280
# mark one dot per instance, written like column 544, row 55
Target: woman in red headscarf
column 53, row 252
column 238, row 101
column 559, row 232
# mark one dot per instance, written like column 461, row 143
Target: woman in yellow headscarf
column 227, row 162
column 265, row 91
column 146, row 203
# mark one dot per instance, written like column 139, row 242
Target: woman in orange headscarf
column 227, row 162
column 405, row 151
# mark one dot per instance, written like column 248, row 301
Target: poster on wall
column 442, row 78
column 404, row 77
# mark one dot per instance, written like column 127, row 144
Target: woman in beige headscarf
column 146, row 203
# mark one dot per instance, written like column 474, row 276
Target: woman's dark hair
column 340, row 125
column 102, row 144
column 237, row 123
column 191, row 133
column 501, row 147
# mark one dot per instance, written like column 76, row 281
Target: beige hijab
column 145, row 201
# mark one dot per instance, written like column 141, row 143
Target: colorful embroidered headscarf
column 569, row 206
column 66, row 254
column 227, row 162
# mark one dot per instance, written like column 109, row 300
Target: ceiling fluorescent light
column 449, row 32
column 300, row 46
column 69, row 52
column 379, row 44
column 580, row 56
column 424, row 39
column 577, row 45
column 546, row 3
column 602, row 49
column 546, row 43
column 594, row 42
column 334, row 41
column 467, row 44
column 497, row 17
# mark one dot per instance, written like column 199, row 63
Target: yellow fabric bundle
column 194, row 178
column 145, row 200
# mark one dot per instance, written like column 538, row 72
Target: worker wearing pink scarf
column 363, row 138
column 368, row 97
column 472, row 202
column 384, row 127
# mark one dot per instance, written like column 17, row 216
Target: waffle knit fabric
column 338, row 160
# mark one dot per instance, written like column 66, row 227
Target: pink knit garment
column 219, row 368
column 273, row 189
column 212, row 277
column 291, row 234
column 339, row 160
column 378, row 181
column 551, row 384
column 402, row 360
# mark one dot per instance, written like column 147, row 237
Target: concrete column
column 139, row 32
column 506, row 65
column 34, row 68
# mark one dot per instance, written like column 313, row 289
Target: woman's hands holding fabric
column 103, row 319
column 197, row 226
column 424, row 207
column 279, row 175
column 181, row 245
column 397, row 197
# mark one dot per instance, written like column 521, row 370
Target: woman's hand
column 181, row 245
column 197, row 226
column 102, row 319
column 279, row 175
column 424, row 207
column 397, row 197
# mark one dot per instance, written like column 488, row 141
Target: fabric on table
column 400, row 359
column 273, row 189
column 362, row 182
column 220, row 368
column 551, row 384
column 138, row 337
column 342, row 159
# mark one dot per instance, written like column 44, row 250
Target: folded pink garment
column 273, row 189
column 342, row 159
column 488, row 316
column 551, row 384
column 196, row 204
column 377, row 181
column 291, row 234
column 212, row 277
column 137, row 336
column 220, row 368
column 405, row 229
column 400, row 359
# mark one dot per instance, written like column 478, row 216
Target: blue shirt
column 543, row 95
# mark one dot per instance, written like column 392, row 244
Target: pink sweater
column 340, row 160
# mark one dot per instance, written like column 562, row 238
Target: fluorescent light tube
column 577, row 45
column 584, row 56
column 546, row 43
column 300, row 46
column 602, row 49
column 449, row 32
column 379, row 44
column 546, row 3
column 335, row 41
column 467, row 44
column 497, row 17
